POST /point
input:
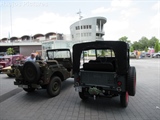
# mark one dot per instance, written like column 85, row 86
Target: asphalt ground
column 16, row 104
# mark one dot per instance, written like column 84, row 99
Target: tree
column 152, row 42
column 143, row 42
column 103, row 53
column 156, row 47
column 131, row 48
column 146, row 49
column 136, row 45
column 125, row 39
column 10, row 51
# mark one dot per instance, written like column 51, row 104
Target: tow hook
column 94, row 91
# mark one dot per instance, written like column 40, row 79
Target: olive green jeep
column 46, row 74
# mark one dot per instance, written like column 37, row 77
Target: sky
column 131, row 18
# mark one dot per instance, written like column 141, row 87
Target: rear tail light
column 119, row 83
column 78, row 79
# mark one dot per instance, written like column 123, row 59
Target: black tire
column 124, row 99
column 131, row 81
column 54, row 87
column 82, row 95
column 31, row 71
column 29, row 90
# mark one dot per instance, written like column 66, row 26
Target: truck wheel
column 131, row 81
column 31, row 71
column 29, row 90
column 54, row 87
column 124, row 99
column 82, row 96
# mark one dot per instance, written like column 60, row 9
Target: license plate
column 78, row 89
column 23, row 86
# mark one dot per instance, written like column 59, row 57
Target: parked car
column 156, row 55
column 132, row 55
column 104, row 75
column 7, row 61
column 148, row 54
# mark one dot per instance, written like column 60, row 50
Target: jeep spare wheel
column 31, row 71
column 131, row 81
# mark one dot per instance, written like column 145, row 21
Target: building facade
column 27, row 44
column 89, row 29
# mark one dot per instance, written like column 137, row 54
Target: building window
column 87, row 26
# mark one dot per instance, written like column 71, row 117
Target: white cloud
column 156, row 6
column 115, row 5
column 121, row 3
column 129, row 13
column 155, row 21
column 47, row 22
column 115, row 29
column 103, row 10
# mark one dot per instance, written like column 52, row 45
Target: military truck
column 47, row 74
column 102, row 69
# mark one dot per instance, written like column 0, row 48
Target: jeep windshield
column 96, row 54
column 58, row 53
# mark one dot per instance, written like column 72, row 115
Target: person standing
column 31, row 57
column 38, row 56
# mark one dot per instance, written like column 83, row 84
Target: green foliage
column 125, row 39
column 156, row 47
column 152, row 42
column 103, row 53
column 146, row 49
column 144, row 43
column 136, row 45
column 131, row 49
column 10, row 51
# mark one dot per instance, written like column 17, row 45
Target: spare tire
column 131, row 81
column 31, row 72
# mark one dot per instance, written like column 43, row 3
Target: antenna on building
column 11, row 18
column 79, row 12
column 80, row 17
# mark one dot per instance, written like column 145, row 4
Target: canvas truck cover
column 120, row 48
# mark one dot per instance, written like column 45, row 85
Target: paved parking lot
column 68, row 106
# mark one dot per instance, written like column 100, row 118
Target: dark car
column 105, row 71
